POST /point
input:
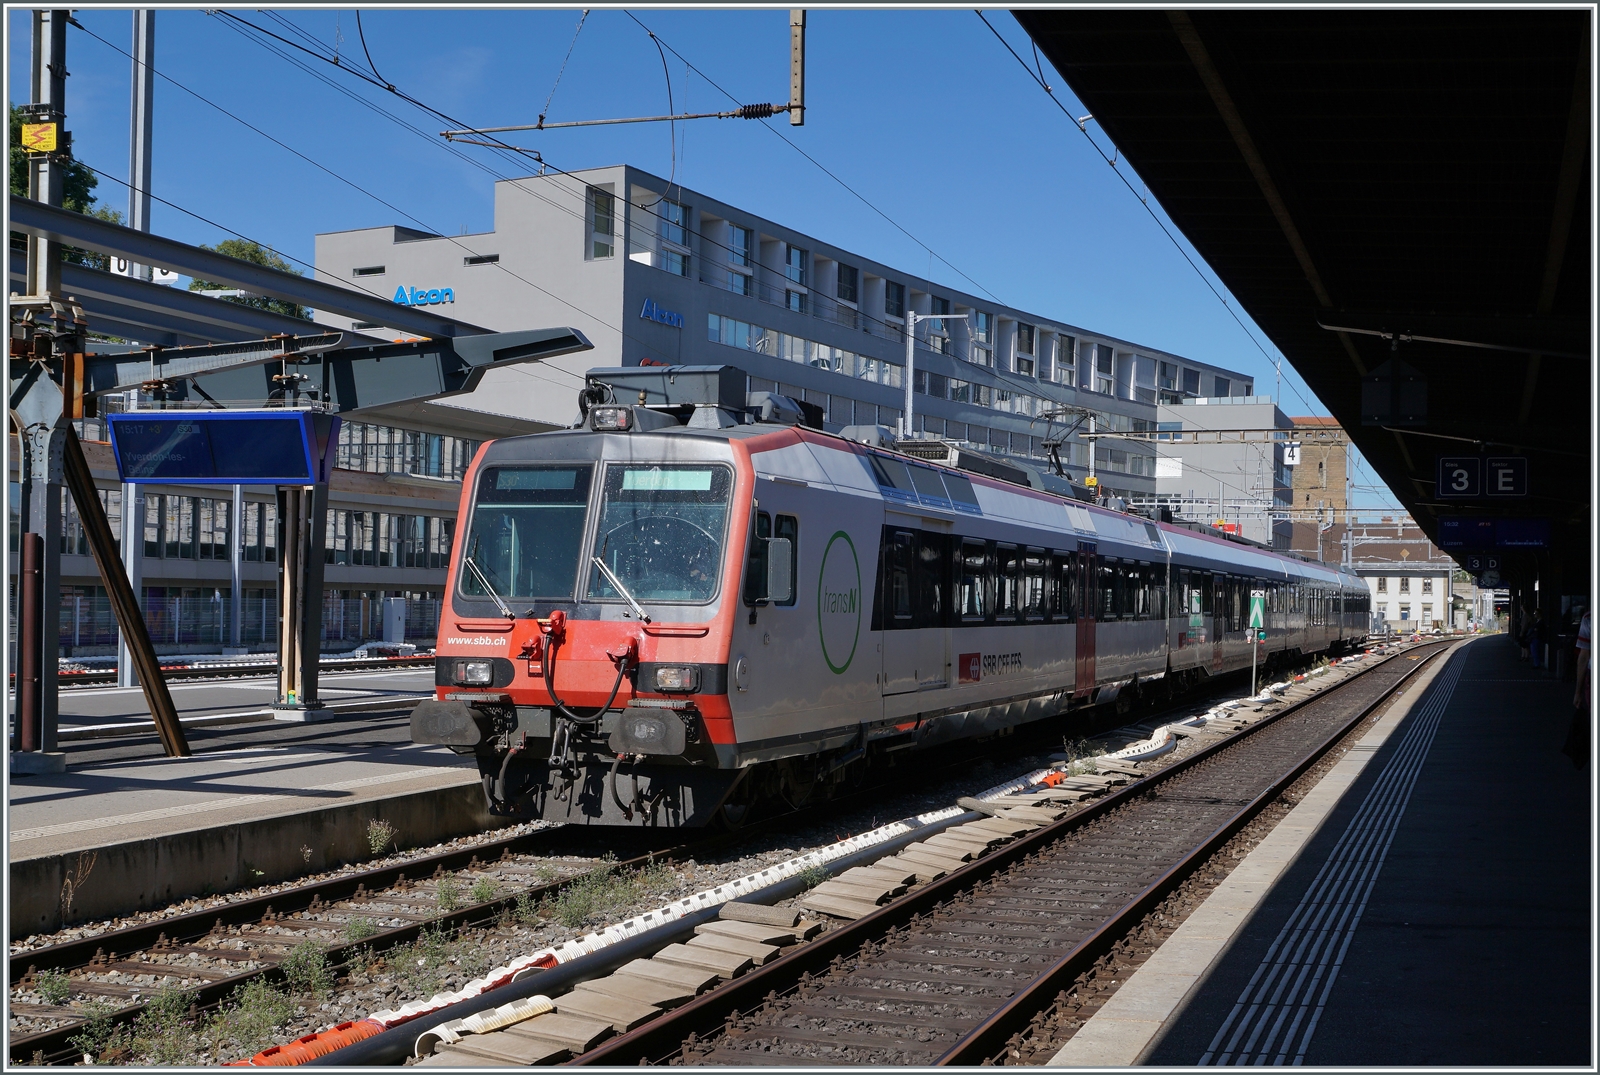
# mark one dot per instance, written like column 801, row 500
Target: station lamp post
column 906, row 422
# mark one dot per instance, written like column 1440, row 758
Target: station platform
column 1428, row 903
column 100, row 712
column 130, row 829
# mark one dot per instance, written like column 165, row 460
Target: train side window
column 787, row 526
column 1034, row 565
column 1143, row 577
column 755, row 577
column 1066, row 588
column 1008, row 563
column 932, row 579
column 972, row 583
column 902, row 553
column 1108, row 588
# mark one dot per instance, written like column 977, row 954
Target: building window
column 1427, row 613
column 674, row 216
column 894, row 299
column 1024, row 339
column 675, row 262
column 1383, row 585
column 1405, row 585
column 1405, row 612
column 482, row 259
column 982, row 327
column 368, row 270
column 1191, row 382
column 738, row 282
column 1169, row 376
column 738, row 245
column 796, row 263
column 795, row 300
column 849, row 283
column 1103, row 379
column 602, row 224
column 1427, row 585
column 1222, row 388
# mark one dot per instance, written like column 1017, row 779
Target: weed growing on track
column 251, row 1023
column 53, row 986
column 359, row 929
column 448, row 893
column 1080, row 756
column 435, row 960
column 379, row 835
column 305, row 969
column 812, row 876
column 164, row 1032
column 484, row 890
column 98, row 1035
column 604, row 889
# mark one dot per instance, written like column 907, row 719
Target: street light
column 911, row 343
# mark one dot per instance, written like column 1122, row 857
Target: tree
column 253, row 252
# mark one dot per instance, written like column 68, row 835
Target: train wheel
column 799, row 779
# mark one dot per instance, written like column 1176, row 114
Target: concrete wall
column 141, row 875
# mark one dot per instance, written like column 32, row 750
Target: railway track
column 237, row 671
column 948, row 972
column 212, row 953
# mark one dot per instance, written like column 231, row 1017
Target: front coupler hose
column 561, row 707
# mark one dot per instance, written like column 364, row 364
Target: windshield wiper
column 477, row 573
column 617, row 585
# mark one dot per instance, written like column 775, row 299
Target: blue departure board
column 224, row 447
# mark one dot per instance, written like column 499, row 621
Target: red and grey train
column 698, row 604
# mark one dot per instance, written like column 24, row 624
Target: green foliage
column 251, row 1022
column 98, row 1033
column 424, row 963
column 379, row 834
column 256, row 254
column 53, row 986
column 305, row 969
column 604, row 889
column 163, row 1033
column 483, row 890
column 359, row 929
column 448, row 893
column 812, row 876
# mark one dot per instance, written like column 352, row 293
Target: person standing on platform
column 1536, row 637
column 1577, row 746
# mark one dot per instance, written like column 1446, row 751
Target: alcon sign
column 652, row 312
column 417, row 296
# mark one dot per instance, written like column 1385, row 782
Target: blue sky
column 923, row 113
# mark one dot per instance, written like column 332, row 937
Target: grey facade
column 1240, row 478
column 687, row 279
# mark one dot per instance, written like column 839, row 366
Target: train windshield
column 527, row 530
column 661, row 531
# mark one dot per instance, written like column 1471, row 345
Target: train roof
column 711, row 401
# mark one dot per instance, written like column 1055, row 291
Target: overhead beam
column 79, row 229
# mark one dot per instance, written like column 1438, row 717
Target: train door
column 1088, row 608
column 1219, row 619
column 915, row 605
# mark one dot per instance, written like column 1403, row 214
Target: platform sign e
column 1258, row 609
column 1460, row 477
column 1507, row 475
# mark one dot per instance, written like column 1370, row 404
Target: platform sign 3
column 1460, row 476
column 1258, row 609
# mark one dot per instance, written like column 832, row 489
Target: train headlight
column 475, row 673
column 611, row 418
column 675, row 678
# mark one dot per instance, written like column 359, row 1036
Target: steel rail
column 89, row 679
column 196, row 925
column 655, row 1042
column 984, row 1041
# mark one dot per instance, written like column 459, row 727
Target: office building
column 1222, row 462
column 656, row 273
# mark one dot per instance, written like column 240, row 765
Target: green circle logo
column 839, row 603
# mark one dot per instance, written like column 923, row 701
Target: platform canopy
column 1400, row 197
